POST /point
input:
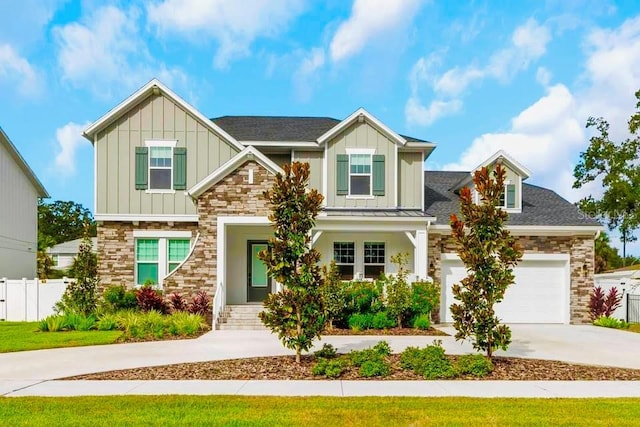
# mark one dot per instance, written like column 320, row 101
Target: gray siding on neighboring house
column 361, row 135
column 155, row 118
column 18, row 219
column 410, row 172
column 314, row 158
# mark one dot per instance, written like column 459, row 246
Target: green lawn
column 320, row 411
column 21, row 336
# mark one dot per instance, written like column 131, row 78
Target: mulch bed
column 391, row 331
column 285, row 368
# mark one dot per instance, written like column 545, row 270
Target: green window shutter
column 179, row 168
column 511, row 196
column 378, row 175
column 142, row 168
column 342, row 174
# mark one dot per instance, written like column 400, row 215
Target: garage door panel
column 539, row 294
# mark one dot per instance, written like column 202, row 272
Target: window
column 54, row 260
column 160, row 168
column 147, row 260
column 178, row 251
column 360, row 174
column 157, row 257
column 374, row 259
column 508, row 197
column 344, row 256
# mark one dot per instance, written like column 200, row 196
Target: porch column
column 420, row 254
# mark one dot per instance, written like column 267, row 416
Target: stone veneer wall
column 581, row 259
column 231, row 196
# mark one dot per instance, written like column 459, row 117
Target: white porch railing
column 28, row 300
column 218, row 304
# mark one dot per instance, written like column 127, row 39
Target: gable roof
column 540, row 206
column 22, row 164
column 154, row 87
column 281, row 128
column 362, row 115
column 499, row 156
column 248, row 153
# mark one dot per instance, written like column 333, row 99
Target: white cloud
column 370, row 19
column 234, row 24
column 303, row 77
column 528, row 43
column 105, row 51
column 14, row 69
column 69, row 139
column 28, row 20
column 547, row 136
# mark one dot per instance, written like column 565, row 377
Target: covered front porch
column 362, row 247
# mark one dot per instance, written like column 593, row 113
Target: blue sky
column 473, row 77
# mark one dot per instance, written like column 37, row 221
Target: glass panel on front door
column 258, row 281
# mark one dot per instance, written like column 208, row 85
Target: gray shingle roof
column 540, row 206
column 279, row 128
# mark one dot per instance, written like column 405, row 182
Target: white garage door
column 540, row 293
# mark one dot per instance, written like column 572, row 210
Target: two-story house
column 179, row 203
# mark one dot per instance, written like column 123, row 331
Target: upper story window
column 160, row 168
column 360, row 174
column 508, row 196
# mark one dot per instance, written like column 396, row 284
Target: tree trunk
column 399, row 321
column 299, row 330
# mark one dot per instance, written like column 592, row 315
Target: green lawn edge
column 314, row 411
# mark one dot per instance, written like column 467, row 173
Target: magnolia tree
column 489, row 253
column 296, row 312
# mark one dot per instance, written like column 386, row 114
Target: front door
column 258, row 283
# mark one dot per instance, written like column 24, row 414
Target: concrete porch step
column 241, row 317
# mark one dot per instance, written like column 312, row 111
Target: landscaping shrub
column 361, row 321
column 422, row 321
column 476, row 365
column 55, row 323
column 381, row 320
column 107, row 322
column 382, row 348
column 332, row 292
column 153, row 324
column 330, row 368
column 117, row 297
column 374, row 368
column 43, row 326
column 430, row 361
column 375, row 353
column 363, row 297
column 425, row 297
column 201, row 304
column 601, row 305
column 78, row 322
column 150, row 298
column 185, row 324
column 80, row 295
column 611, row 322
column 178, row 303
column 398, row 292
column 326, row 352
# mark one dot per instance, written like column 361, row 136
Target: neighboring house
column 179, row 202
column 64, row 253
column 627, row 282
column 20, row 190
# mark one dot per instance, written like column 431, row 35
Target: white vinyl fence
column 627, row 283
column 29, row 300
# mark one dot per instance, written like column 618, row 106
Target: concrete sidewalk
column 488, row 389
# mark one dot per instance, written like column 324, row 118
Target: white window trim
column 355, row 253
column 364, row 259
column 517, row 209
column 370, row 152
column 163, row 237
column 160, row 143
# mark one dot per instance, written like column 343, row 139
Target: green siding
column 410, row 170
column 378, row 175
column 156, row 117
column 315, row 160
column 342, row 174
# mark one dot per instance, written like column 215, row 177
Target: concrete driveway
column 577, row 344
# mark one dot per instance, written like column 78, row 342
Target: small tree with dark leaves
column 333, row 293
column 295, row 313
column 604, row 305
column 489, row 253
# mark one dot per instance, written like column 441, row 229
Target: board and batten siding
column 361, row 135
column 18, row 219
column 410, row 170
column 155, row 118
column 314, row 158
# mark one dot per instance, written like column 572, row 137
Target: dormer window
column 508, row 196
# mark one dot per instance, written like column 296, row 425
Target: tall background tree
column 61, row 221
column 295, row 313
column 489, row 253
column 618, row 165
